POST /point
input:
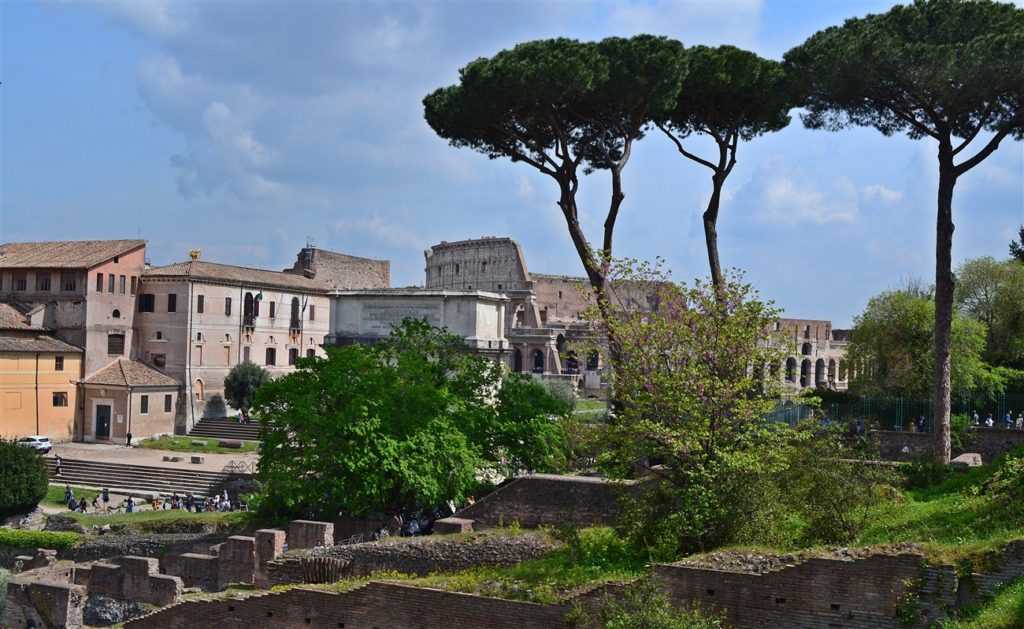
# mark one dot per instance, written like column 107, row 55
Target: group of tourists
column 1008, row 420
column 189, row 503
column 82, row 505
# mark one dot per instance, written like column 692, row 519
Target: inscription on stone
column 381, row 318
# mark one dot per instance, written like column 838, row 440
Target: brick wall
column 373, row 606
column 988, row 442
column 43, row 604
column 547, row 499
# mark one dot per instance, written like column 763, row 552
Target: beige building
column 126, row 397
column 38, row 376
column 366, row 316
column 86, row 289
column 198, row 319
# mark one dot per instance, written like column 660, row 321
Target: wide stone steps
column 225, row 429
column 136, row 478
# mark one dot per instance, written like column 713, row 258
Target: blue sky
column 243, row 128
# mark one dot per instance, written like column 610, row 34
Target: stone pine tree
column 564, row 108
column 728, row 95
column 948, row 70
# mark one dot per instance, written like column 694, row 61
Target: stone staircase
column 225, row 429
column 140, row 479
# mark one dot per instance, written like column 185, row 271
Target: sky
column 247, row 129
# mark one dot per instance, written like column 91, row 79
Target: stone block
column 173, row 459
column 43, row 604
column 163, row 590
column 139, row 566
column 198, row 459
column 967, row 459
column 237, row 561
column 198, row 571
column 229, row 443
column 198, row 442
column 80, row 575
column 448, row 526
column 308, row 534
column 106, row 579
column 269, row 544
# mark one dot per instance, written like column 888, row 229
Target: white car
column 36, row 442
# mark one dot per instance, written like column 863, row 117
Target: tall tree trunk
column 711, row 230
column 944, row 299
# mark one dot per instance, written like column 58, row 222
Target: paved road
column 108, row 453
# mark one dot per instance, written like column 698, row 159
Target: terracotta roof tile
column 63, row 254
column 42, row 343
column 11, row 318
column 236, row 276
column 130, row 373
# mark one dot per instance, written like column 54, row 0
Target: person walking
column 128, row 440
column 57, row 464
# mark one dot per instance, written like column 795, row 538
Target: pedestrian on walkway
column 57, row 464
column 128, row 440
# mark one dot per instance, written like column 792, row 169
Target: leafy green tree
column 25, row 479
column 564, row 107
column 728, row 95
column 1017, row 247
column 242, row 383
column 403, row 424
column 892, row 345
column 949, row 70
column 992, row 291
column 529, row 433
column 693, row 395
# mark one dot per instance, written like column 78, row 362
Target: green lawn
column 1004, row 611
column 590, row 409
column 184, row 444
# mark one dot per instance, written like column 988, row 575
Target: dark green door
column 103, row 421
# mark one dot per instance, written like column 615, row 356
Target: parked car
column 36, row 442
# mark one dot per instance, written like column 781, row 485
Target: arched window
column 805, row 373
column 842, row 371
column 116, row 314
column 517, row 361
column 791, row 370
column 831, row 371
column 198, row 389
column 819, row 373
column 593, row 361
column 560, row 343
column 805, row 349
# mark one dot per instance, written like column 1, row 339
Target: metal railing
column 899, row 413
column 240, row 467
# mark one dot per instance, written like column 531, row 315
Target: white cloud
column 710, row 23
column 880, row 193
column 776, row 195
column 397, row 231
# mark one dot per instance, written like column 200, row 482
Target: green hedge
column 37, row 539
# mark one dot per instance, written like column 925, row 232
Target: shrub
column 961, row 432
column 5, row 576
column 833, row 485
column 1006, row 486
column 25, row 479
column 644, row 605
column 18, row 538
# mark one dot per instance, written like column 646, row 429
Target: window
column 60, row 398
column 199, row 336
column 559, row 294
column 110, row 283
column 198, row 388
column 172, row 303
column 310, row 353
column 167, row 403
column 273, row 309
column 456, row 269
column 200, row 303
column 135, row 284
column 147, row 302
column 293, row 355
column 68, row 282
column 483, row 267
column 144, row 405
column 296, row 314
column 246, row 354
column 99, row 282
column 160, row 360
column 43, row 282
column 271, row 356
column 312, row 312
column 116, row 314
column 115, row 345
column 159, row 335
column 121, row 285
column 58, row 363
column 227, row 307
column 20, row 282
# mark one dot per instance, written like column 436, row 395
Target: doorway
column 103, row 421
